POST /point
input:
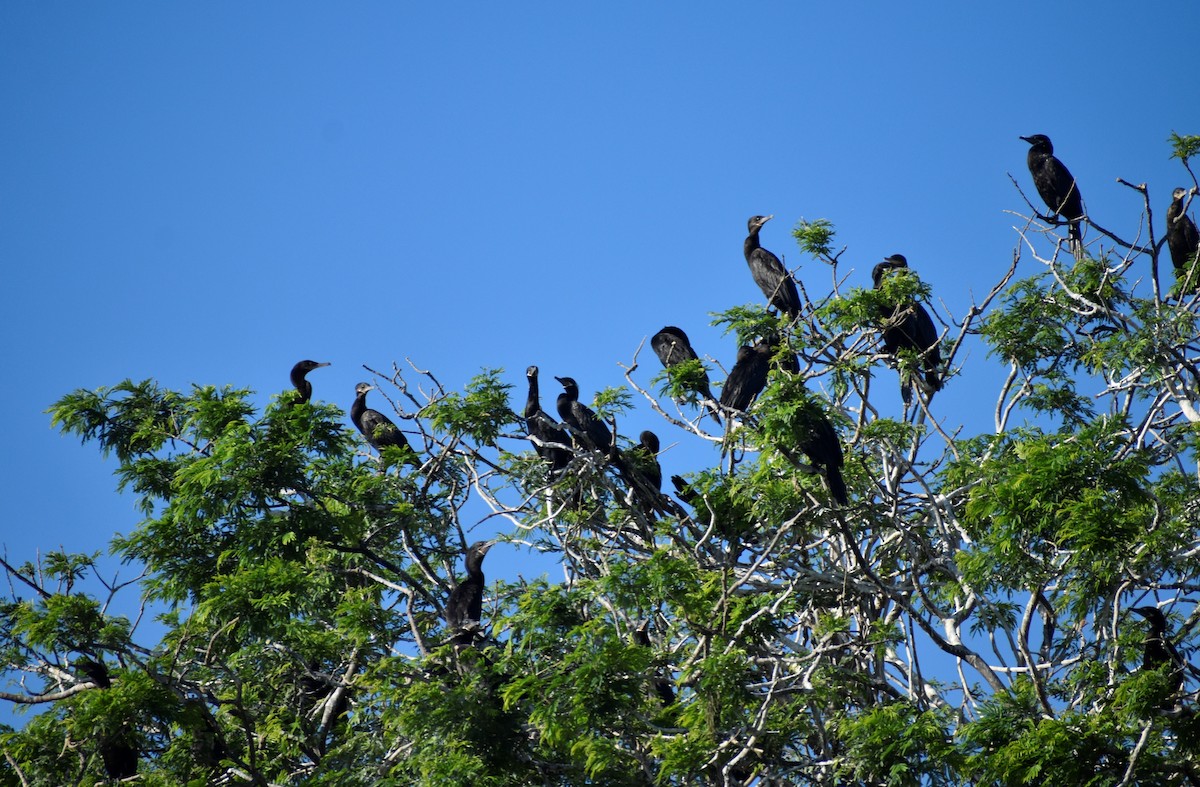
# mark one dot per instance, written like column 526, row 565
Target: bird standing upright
column 748, row 377
column 672, row 347
column 768, row 272
column 820, row 443
column 909, row 327
column 300, row 380
column 648, row 447
column 1158, row 650
column 376, row 427
column 1183, row 241
column 587, row 430
column 1057, row 187
column 464, row 607
column 544, row 430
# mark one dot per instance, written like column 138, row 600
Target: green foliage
column 962, row 620
column 481, row 414
column 815, row 237
column 1185, row 146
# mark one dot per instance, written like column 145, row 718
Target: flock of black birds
column 904, row 328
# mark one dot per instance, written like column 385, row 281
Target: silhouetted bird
column 909, row 327
column 684, row 490
column 117, row 752
column 662, row 686
column 748, row 377
column 95, row 671
column 1159, row 650
column 464, row 607
column 376, row 427
column 672, row 347
column 768, row 272
column 301, row 381
column 820, row 443
column 587, row 430
column 1056, row 186
column 1182, row 240
column 543, row 428
column 648, row 465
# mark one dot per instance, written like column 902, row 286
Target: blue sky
column 209, row 192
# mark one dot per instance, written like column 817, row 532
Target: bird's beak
column 1027, row 139
column 318, row 366
column 559, row 379
column 767, row 218
column 487, row 546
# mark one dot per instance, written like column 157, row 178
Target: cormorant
column 464, row 607
column 1159, row 649
column 662, row 686
column 672, row 347
column 1182, row 240
column 118, row 753
column 376, row 427
column 1056, row 186
column 544, row 428
column 587, row 430
column 748, row 376
column 909, row 327
column 301, row 382
column 684, row 490
column 649, row 467
column 768, row 272
column 820, row 443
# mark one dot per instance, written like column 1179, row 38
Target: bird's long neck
column 358, row 408
column 532, row 403
column 751, row 243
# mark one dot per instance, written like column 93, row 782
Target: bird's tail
column 933, row 380
column 712, row 408
column 837, row 484
column 1075, row 239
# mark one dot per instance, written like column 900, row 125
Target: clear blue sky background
column 209, row 192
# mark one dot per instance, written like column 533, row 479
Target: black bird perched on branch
column 464, row 607
column 376, row 427
column 544, row 430
column 118, row 752
column 662, row 686
column 587, row 430
column 909, row 327
column 1158, row 648
column 1182, row 240
column 748, row 377
column 768, row 272
column 648, row 446
column 820, row 443
column 1056, row 186
column 299, row 379
column 672, row 347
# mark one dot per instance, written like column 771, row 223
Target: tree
column 962, row 619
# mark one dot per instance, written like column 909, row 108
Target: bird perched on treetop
column 376, row 427
column 299, row 379
column 464, row 607
column 768, row 272
column 1183, row 241
column 1158, row 648
column 909, row 327
column 587, row 430
column 748, row 377
column 672, row 347
column 543, row 429
column 1057, row 187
